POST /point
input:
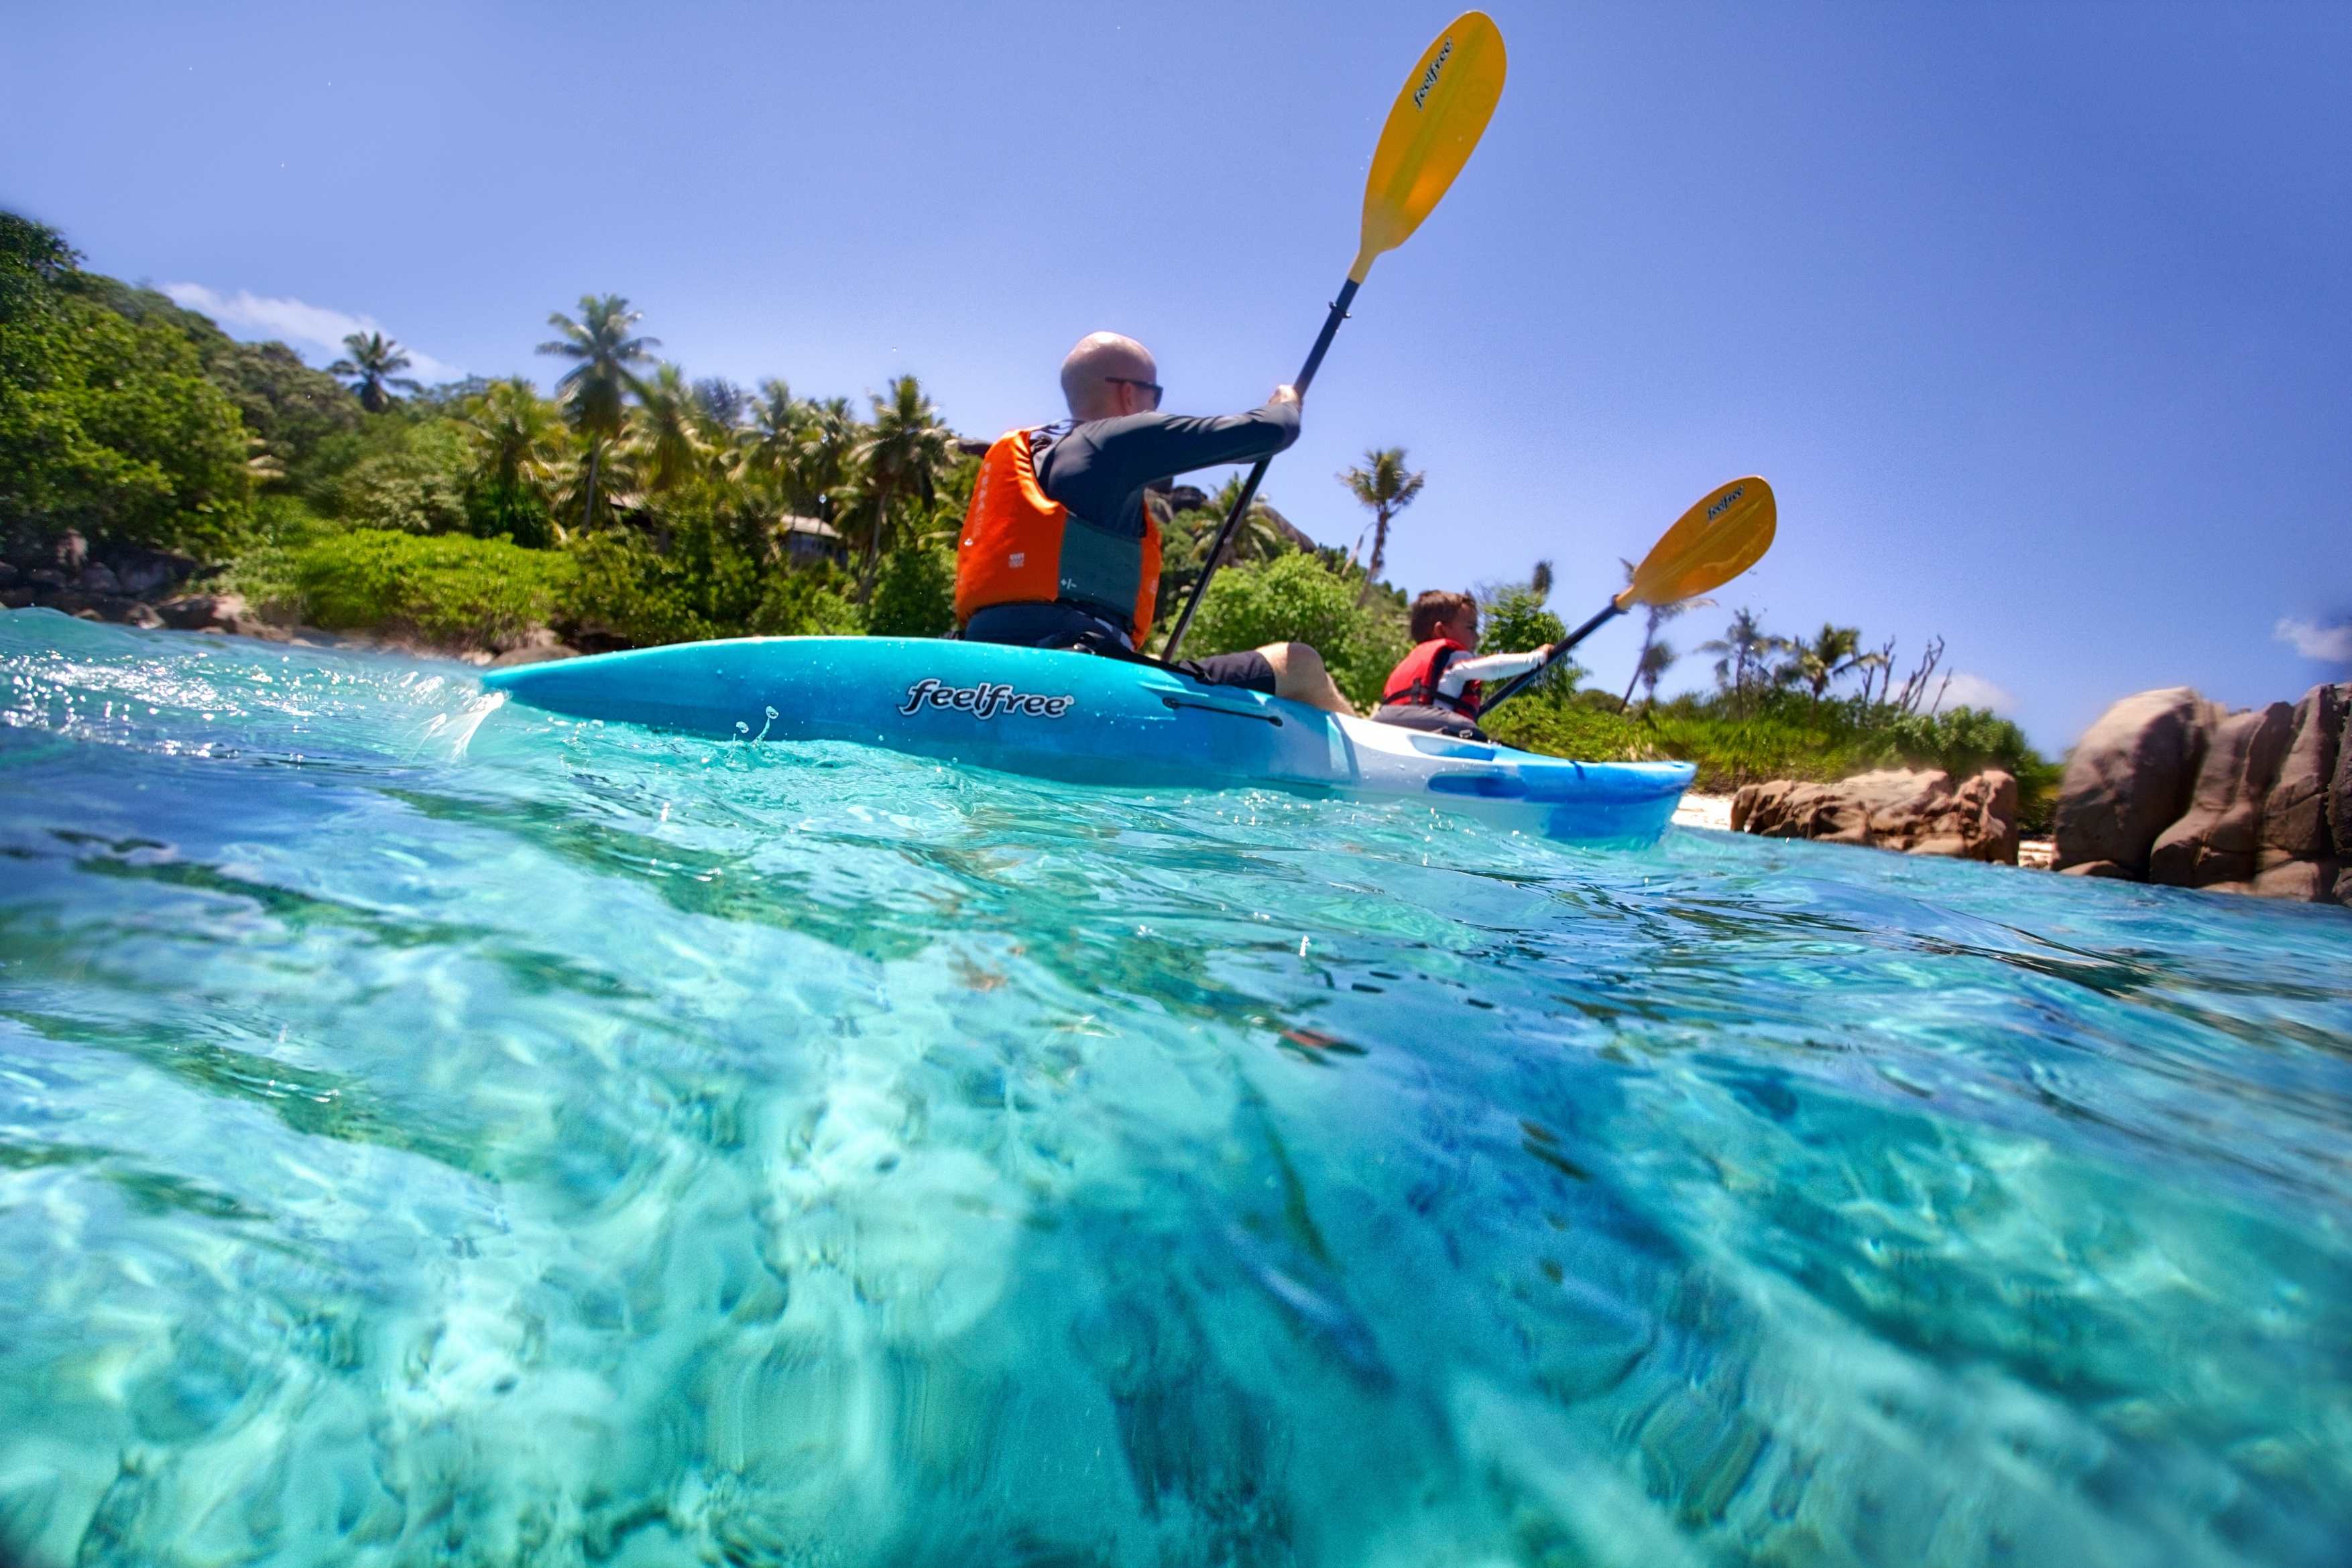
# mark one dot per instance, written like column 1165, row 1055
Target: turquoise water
column 431, row 1132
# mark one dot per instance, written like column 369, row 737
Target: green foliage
column 286, row 405
column 714, row 579
column 1293, row 598
column 415, row 483
column 264, row 571
column 449, row 590
column 109, row 425
column 914, row 593
column 808, row 603
column 33, row 258
column 703, row 586
column 1514, row 620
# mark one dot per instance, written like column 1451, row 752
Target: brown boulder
column 2312, row 882
column 1915, row 812
column 2215, row 838
column 2129, row 778
column 2294, row 816
column 215, row 612
column 2339, row 812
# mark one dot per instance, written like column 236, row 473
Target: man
column 1058, row 549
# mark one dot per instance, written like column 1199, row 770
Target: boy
column 1437, row 685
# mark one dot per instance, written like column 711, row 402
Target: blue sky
column 2036, row 317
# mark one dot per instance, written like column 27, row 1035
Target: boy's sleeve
column 1460, row 673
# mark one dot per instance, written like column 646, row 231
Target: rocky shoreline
column 2166, row 788
column 162, row 590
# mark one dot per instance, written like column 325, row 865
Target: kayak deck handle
column 1272, row 718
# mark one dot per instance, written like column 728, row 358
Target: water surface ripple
column 431, row 1132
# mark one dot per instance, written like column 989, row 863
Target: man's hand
column 1284, row 393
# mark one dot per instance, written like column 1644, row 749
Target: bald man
column 1059, row 549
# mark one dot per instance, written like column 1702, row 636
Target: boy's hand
column 1285, row 393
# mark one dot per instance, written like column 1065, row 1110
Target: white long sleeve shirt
column 1460, row 671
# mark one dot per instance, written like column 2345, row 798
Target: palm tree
column 599, row 380
column 1385, row 486
column 1655, row 616
column 722, row 402
column 373, row 366
column 519, row 448
column 1814, row 664
column 1257, row 538
column 829, row 467
column 667, row 429
column 774, row 438
column 516, row 433
column 903, row 451
column 1658, row 657
column 1743, row 647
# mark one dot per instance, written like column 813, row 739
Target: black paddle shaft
column 1257, row 475
column 1519, row 684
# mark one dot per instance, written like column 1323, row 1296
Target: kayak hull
column 1090, row 720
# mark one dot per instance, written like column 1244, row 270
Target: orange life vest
column 1019, row 548
column 1414, row 680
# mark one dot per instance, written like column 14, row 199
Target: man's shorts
column 1248, row 669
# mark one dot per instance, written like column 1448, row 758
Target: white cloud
column 2321, row 644
column 1975, row 690
column 296, row 322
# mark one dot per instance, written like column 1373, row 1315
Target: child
column 1437, row 687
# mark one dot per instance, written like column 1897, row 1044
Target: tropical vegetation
column 638, row 505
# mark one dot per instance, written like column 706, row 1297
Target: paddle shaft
column 1519, row 684
column 1257, row 474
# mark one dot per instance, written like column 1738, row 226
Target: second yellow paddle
column 1727, row 531
column 1437, row 118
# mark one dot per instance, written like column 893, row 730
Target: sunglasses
column 1151, row 387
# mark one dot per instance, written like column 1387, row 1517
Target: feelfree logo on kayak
column 984, row 701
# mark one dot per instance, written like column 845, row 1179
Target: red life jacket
column 1414, row 681
column 1020, row 547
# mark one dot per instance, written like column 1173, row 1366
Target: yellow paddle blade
column 1436, row 122
column 1724, row 534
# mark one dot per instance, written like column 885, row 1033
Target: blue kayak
column 1088, row 720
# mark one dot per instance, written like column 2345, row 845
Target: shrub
column 517, row 511
column 706, row 584
column 811, row 602
column 1294, row 599
column 914, row 596
column 713, row 580
column 449, row 590
column 264, row 571
column 1539, row 723
column 417, row 485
